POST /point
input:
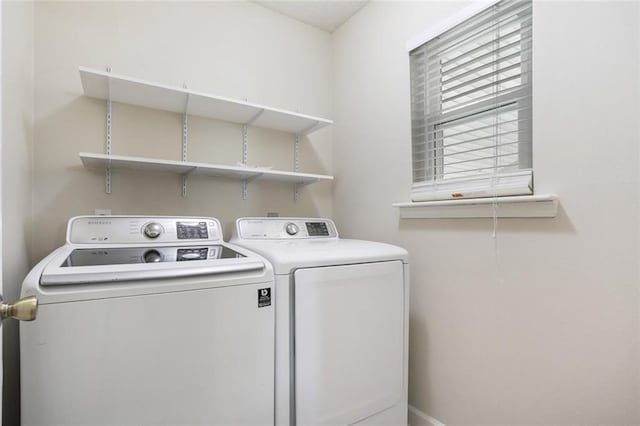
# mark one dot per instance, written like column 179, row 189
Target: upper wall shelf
column 119, row 88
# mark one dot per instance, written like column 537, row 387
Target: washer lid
column 133, row 255
column 86, row 265
column 288, row 255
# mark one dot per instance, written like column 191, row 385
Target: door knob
column 24, row 309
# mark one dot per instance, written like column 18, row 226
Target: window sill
column 523, row 206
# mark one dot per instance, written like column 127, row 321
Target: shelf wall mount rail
column 245, row 151
column 185, row 141
column 296, row 157
column 245, row 155
column 107, row 172
column 296, row 165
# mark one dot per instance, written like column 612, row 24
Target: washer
column 148, row 320
column 342, row 316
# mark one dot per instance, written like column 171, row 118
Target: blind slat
column 493, row 137
column 484, row 88
column 479, row 157
column 504, row 97
column 491, row 43
column 486, row 127
column 479, row 25
column 483, row 77
column 479, row 66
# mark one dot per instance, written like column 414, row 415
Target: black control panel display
column 192, row 230
column 317, row 229
column 192, row 254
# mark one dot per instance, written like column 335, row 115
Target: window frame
column 431, row 187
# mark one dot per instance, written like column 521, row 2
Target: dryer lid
column 289, row 255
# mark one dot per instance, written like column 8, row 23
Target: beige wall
column 17, row 153
column 234, row 49
column 540, row 325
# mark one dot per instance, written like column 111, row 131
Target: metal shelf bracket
column 185, row 140
column 298, row 186
column 308, row 128
column 245, row 150
column 254, row 118
column 107, row 173
column 245, row 145
column 296, row 165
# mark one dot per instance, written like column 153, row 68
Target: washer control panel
column 192, row 230
column 317, row 229
column 192, row 254
column 142, row 229
column 277, row 228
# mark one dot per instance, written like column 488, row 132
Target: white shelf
column 120, row 88
column 525, row 206
column 121, row 162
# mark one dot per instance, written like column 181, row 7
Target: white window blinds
column 471, row 107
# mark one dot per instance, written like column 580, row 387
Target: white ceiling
column 324, row 14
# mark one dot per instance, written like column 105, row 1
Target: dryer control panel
column 279, row 228
column 142, row 229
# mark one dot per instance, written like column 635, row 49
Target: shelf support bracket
column 185, row 123
column 296, row 154
column 297, row 186
column 185, row 174
column 303, row 184
column 252, row 178
column 308, row 128
column 245, row 145
column 107, row 173
column 245, row 150
column 296, row 190
column 185, row 140
column 254, row 118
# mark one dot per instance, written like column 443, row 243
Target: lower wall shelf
column 185, row 168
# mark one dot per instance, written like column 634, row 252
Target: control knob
column 153, row 230
column 292, row 228
column 152, row 256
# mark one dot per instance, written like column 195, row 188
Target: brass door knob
column 24, row 309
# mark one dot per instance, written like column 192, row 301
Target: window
column 471, row 115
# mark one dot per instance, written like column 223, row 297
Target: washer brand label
column 264, row 297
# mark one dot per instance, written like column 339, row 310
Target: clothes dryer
column 148, row 321
column 342, row 313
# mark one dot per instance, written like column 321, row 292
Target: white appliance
column 148, row 321
column 342, row 317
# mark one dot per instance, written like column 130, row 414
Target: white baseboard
column 418, row 418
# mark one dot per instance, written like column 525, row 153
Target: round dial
column 292, row 228
column 152, row 230
column 152, row 256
